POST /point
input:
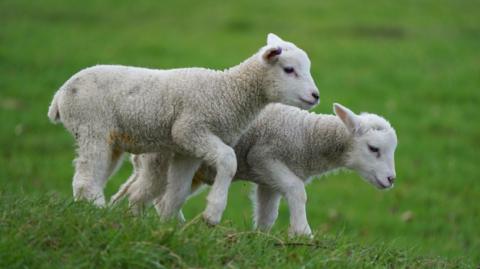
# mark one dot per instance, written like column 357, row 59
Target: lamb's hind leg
column 93, row 166
column 180, row 173
column 197, row 184
column 266, row 201
column 151, row 179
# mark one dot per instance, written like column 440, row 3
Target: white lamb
column 194, row 113
column 281, row 151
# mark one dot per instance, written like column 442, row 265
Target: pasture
column 417, row 63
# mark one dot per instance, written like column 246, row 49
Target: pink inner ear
column 274, row 53
column 340, row 113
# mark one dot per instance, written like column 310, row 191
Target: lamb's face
column 373, row 147
column 289, row 74
column 373, row 157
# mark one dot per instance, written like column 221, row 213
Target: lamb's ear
column 348, row 118
column 270, row 54
column 273, row 39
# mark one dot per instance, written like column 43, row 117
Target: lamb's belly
column 206, row 174
column 141, row 138
column 150, row 147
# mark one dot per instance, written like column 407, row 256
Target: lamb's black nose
column 315, row 95
column 391, row 179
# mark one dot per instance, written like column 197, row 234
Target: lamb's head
column 288, row 78
column 373, row 147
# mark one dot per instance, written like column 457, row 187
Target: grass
column 415, row 62
column 51, row 232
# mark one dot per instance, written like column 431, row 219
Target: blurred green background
column 417, row 63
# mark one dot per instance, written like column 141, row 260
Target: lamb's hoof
column 136, row 208
column 165, row 215
column 263, row 228
column 96, row 199
column 100, row 203
column 305, row 233
column 210, row 220
column 300, row 235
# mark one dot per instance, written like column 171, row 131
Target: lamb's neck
column 246, row 89
column 329, row 144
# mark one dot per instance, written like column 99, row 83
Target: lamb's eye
column 288, row 70
column 373, row 149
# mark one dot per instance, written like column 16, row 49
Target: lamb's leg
column 151, row 179
column 207, row 147
column 266, row 201
column 148, row 181
column 158, row 208
column 223, row 158
column 293, row 189
column 124, row 189
column 180, row 174
column 95, row 163
column 197, row 184
column 140, row 192
column 116, row 160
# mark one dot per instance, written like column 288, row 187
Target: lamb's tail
column 53, row 111
column 117, row 197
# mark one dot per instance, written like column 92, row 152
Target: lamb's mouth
column 310, row 103
column 380, row 184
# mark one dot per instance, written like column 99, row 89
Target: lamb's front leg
column 293, row 188
column 207, row 147
column 223, row 158
column 266, row 201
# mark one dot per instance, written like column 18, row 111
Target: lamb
column 281, row 152
column 196, row 114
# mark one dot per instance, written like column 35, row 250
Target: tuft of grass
column 53, row 232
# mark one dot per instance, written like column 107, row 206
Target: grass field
column 415, row 62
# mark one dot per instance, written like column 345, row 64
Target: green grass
column 415, row 62
column 50, row 232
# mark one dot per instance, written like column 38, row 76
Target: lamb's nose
column 391, row 179
column 315, row 95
